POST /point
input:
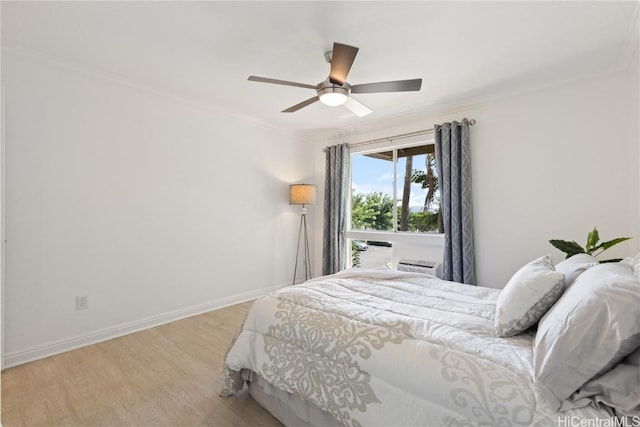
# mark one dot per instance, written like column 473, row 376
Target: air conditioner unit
column 419, row 266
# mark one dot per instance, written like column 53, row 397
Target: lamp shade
column 302, row 194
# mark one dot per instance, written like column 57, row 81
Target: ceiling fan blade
column 341, row 62
column 279, row 82
column 357, row 107
column 301, row 105
column 394, row 86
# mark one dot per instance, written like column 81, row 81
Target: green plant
column 572, row 248
column 355, row 255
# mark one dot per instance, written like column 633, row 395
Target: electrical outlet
column 82, row 303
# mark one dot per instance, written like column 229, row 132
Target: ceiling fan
column 335, row 90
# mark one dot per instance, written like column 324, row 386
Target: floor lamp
column 302, row 194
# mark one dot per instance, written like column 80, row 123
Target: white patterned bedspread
column 389, row 348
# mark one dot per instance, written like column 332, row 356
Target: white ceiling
column 204, row 51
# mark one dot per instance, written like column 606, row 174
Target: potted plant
column 593, row 247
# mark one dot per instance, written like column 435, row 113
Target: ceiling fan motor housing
column 333, row 94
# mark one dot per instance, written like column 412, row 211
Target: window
column 394, row 203
column 395, row 189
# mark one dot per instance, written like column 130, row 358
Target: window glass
column 392, row 190
column 372, row 182
column 374, row 176
column 418, row 191
column 370, row 254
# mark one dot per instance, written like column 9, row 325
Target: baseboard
column 77, row 341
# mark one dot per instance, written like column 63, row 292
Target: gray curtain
column 453, row 158
column 336, row 192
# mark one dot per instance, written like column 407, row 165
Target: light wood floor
column 165, row 376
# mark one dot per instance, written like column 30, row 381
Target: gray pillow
column 618, row 388
column 594, row 325
column 574, row 266
column 527, row 296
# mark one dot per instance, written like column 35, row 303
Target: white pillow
column 527, row 297
column 589, row 330
column 575, row 266
column 634, row 262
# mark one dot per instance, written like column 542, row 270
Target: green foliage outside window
column 374, row 211
column 355, row 255
column 423, row 221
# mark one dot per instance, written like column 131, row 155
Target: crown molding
column 461, row 104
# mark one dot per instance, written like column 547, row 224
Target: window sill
column 436, row 239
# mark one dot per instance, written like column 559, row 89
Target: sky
column 370, row 175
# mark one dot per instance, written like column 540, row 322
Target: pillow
column 634, row 262
column 527, row 296
column 591, row 328
column 618, row 388
column 575, row 266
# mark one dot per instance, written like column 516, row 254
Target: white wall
column 551, row 163
column 554, row 164
column 147, row 204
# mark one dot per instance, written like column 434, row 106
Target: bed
column 389, row 348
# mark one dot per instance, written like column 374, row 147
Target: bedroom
column 122, row 147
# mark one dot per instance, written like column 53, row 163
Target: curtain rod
column 401, row 136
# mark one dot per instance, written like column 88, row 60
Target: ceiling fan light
column 333, row 96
